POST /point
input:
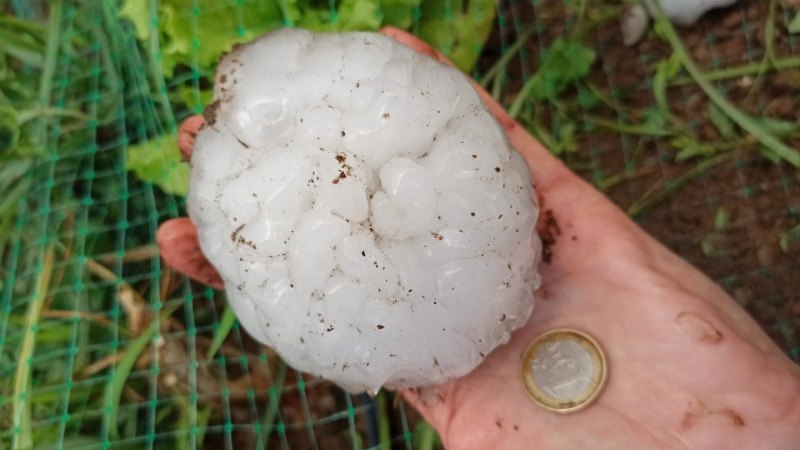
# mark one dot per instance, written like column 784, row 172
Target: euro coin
column 564, row 370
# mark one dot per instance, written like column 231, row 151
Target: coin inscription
column 563, row 370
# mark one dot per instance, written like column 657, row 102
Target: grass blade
column 766, row 138
column 275, row 392
column 22, row 378
column 789, row 62
column 384, row 425
column 35, row 30
column 508, row 55
column 425, row 436
column 225, row 325
column 19, row 47
column 53, row 42
column 659, row 192
column 113, row 391
column 794, row 24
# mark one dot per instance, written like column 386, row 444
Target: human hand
column 688, row 368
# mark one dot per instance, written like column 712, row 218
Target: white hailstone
column 686, row 12
column 369, row 218
column 636, row 20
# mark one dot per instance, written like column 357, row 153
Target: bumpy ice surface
column 368, row 217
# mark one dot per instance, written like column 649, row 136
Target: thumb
column 179, row 246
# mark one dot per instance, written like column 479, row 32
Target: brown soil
column 549, row 232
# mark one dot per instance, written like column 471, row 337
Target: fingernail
column 389, row 31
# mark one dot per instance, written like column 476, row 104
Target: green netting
column 103, row 346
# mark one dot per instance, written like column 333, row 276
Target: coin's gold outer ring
column 589, row 395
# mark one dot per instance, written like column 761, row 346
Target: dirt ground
column 758, row 198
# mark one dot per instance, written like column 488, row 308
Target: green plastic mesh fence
column 102, row 346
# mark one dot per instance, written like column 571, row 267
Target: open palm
column 688, row 368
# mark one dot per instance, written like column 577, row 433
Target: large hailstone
column 368, row 217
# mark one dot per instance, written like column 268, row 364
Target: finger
column 179, row 246
column 545, row 167
column 187, row 133
column 415, row 43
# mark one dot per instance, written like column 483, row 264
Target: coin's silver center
column 562, row 369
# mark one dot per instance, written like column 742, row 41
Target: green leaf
column 724, row 124
column 666, row 70
column 24, row 373
column 9, row 130
column 689, row 148
column 721, row 219
column 22, row 47
column 224, row 24
column 138, row 12
column 225, row 325
column 779, row 128
column 36, row 30
column 358, row 15
column 656, row 121
column 543, row 135
column 158, row 161
column 768, row 153
column 426, row 437
column 565, row 62
column 399, row 13
column 794, row 25
column 457, row 28
column 113, row 390
column 186, row 95
column 566, row 132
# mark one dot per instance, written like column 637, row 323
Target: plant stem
column 426, row 435
column 384, row 428
column 662, row 190
column 613, row 180
column 768, row 60
column 113, row 390
column 22, row 378
column 627, row 128
column 53, row 41
column 34, row 29
column 31, row 114
column 519, row 102
column 767, row 139
column 741, row 71
column 508, row 55
column 268, row 423
column 225, row 325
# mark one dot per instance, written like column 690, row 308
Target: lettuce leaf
column 458, row 28
column 158, row 161
column 194, row 33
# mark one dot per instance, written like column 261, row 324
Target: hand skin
column 688, row 368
